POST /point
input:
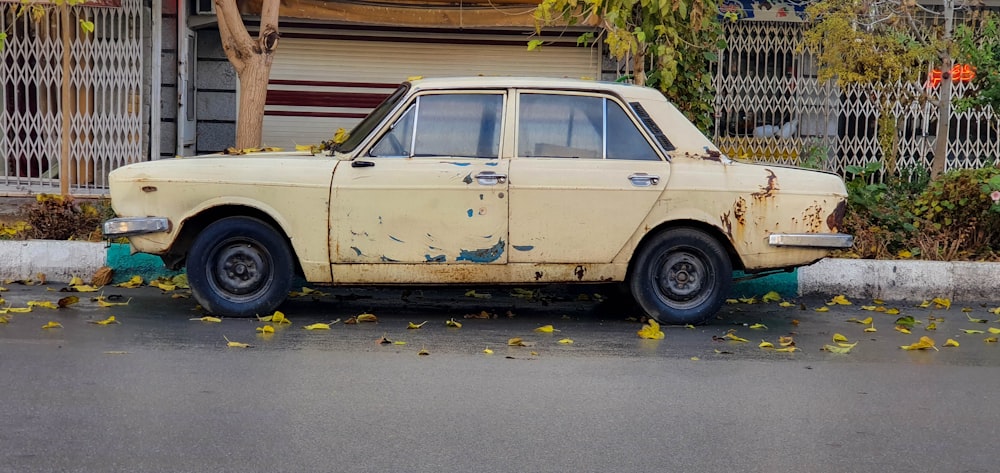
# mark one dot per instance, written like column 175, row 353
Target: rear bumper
column 812, row 240
column 127, row 226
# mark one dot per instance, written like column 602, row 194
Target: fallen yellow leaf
column 748, row 300
column 413, row 326
column 924, row 343
column 839, row 300
column 990, row 339
column 366, row 318
column 732, row 301
column 975, row 320
column 477, row 295
column 765, row 344
column 902, row 329
column 108, row 321
column 893, row 311
column 758, row 326
column 994, row 330
column 786, row 341
column 950, row 343
column 772, row 296
column 277, row 317
column 487, row 351
column 566, row 341
column 208, row 318
column 51, row 325
column 871, row 329
column 101, row 301
column 788, row 349
column 651, row 331
column 786, row 304
column 869, row 307
column 837, row 338
column 865, row 321
column 134, row 282
column 266, row 329
column 972, row 331
column 546, row 329
column 453, row 323
column 941, row 302
column 230, row 343
column 423, row 352
column 317, row 326
column 66, row 301
column 822, row 309
column 516, row 342
column 18, row 310
column 45, row 304
column 84, row 288
column 4, row 319
column 733, row 337
column 840, row 348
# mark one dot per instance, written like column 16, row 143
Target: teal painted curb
column 126, row 265
column 786, row 284
column 151, row 267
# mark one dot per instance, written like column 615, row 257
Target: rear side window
column 586, row 127
column 461, row 125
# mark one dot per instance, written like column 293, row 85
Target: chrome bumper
column 814, row 240
column 126, row 226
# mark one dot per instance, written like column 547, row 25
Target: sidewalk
column 898, row 280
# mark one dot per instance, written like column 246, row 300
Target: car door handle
column 490, row 178
column 641, row 179
column 362, row 164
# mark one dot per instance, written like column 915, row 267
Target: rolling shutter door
column 321, row 83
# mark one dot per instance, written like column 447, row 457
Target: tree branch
column 236, row 41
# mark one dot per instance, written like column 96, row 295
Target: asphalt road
column 161, row 392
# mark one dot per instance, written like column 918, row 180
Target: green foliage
column 814, row 155
column 877, row 212
column 979, row 45
column 676, row 41
column 866, row 43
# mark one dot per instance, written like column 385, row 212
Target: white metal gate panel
column 770, row 107
column 104, row 110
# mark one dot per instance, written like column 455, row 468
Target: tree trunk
column 251, row 58
column 944, row 100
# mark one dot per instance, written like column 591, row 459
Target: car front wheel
column 681, row 276
column 240, row 266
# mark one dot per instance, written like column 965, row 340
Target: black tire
column 681, row 276
column 240, row 267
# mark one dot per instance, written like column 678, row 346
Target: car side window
column 569, row 126
column 462, row 125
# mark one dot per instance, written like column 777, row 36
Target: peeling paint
column 580, row 271
column 836, row 219
column 767, row 190
column 740, row 211
column 357, row 250
column 468, row 178
column 538, row 275
column 480, row 196
column 727, row 224
column 386, row 259
column 396, row 239
column 435, row 259
column 523, row 247
column 484, row 255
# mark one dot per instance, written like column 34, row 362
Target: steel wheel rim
column 240, row 269
column 682, row 279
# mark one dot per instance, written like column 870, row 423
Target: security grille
column 104, row 110
column 770, row 107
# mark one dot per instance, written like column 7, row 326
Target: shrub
column 958, row 216
column 54, row 217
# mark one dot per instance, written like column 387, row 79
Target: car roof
column 532, row 82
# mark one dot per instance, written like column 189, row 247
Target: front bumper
column 128, row 226
column 812, row 240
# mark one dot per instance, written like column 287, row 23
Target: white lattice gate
column 61, row 135
column 770, row 107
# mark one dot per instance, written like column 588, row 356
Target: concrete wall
column 216, row 95
column 168, row 83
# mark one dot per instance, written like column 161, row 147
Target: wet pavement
column 162, row 392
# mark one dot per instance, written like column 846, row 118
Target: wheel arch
column 711, row 230
column 190, row 226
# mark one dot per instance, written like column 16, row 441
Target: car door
column 431, row 188
column 584, row 177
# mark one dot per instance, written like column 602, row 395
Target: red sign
column 959, row 73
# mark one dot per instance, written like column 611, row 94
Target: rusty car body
column 485, row 181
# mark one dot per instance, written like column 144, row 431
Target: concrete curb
column 862, row 279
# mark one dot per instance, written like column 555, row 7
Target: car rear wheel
column 681, row 276
column 240, row 266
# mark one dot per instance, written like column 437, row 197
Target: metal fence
column 72, row 101
column 771, row 107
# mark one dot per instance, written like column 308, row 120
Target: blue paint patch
column 434, row 248
column 388, row 260
column 396, row 239
column 523, row 247
column 357, row 250
column 491, row 164
column 435, row 259
column 470, row 212
column 456, row 164
column 485, row 255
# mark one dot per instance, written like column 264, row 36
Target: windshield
column 361, row 130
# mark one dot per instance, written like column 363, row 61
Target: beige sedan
column 485, row 180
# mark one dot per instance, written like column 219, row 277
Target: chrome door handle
column 490, row 178
column 641, row 179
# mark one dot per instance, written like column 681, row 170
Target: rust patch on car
column 768, row 190
column 812, row 218
column 580, row 271
column 538, row 275
column 836, row 219
column 727, row 224
column 740, row 211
